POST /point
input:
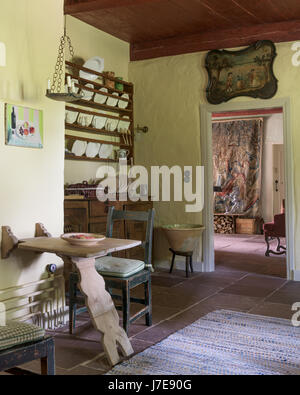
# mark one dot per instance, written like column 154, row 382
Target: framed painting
column 248, row 72
column 23, row 126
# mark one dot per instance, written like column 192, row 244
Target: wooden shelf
column 102, row 75
column 116, row 144
column 97, row 114
column 87, row 129
column 85, row 158
column 89, row 107
column 99, row 86
column 90, row 103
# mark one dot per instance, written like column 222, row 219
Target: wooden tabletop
column 63, row 248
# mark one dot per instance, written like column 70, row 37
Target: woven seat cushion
column 118, row 267
column 16, row 333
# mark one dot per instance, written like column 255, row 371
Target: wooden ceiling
column 156, row 28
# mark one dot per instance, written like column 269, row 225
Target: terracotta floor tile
column 285, row 296
column 277, row 310
column 157, row 333
column 175, row 299
column 255, row 285
column 71, row 352
column 230, row 302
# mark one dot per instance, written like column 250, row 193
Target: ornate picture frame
column 247, row 72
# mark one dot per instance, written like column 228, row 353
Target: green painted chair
column 121, row 274
column 21, row 343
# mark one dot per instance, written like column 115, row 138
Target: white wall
column 273, row 134
column 31, row 180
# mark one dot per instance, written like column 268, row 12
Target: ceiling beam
column 216, row 39
column 73, row 7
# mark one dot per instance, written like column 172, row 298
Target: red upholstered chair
column 275, row 229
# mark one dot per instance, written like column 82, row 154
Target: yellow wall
column 31, row 180
column 89, row 42
column 168, row 95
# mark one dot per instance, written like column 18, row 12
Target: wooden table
column 98, row 301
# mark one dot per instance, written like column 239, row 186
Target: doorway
column 207, row 112
column 249, row 189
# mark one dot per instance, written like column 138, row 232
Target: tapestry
column 237, row 155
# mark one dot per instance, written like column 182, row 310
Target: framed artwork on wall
column 23, row 126
column 248, row 72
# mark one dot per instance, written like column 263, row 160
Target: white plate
column 99, row 122
column 101, row 99
column 88, row 95
column 79, row 147
column 124, row 104
column 85, row 120
column 105, row 151
column 111, row 124
column 124, row 124
column 92, row 150
column 96, row 64
column 111, row 101
column 71, row 116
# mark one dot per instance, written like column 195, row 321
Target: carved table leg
column 102, row 310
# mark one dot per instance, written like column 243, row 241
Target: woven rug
column 222, row 343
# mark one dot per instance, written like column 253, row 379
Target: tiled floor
column 245, row 280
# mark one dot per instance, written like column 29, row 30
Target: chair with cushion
column 121, row 274
column 275, row 229
column 21, row 343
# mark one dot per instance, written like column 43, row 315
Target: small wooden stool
column 189, row 260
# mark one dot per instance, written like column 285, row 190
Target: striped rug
column 222, row 343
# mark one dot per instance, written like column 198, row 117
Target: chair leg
column 173, row 261
column 191, row 264
column 148, row 301
column 268, row 246
column 126, row 306
column 187, row 266
column 72, row 305
column 278, row 245
column 48, row 362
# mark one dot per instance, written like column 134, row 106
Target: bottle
column 13, row 120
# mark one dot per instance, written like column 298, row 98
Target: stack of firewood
column 223, row 224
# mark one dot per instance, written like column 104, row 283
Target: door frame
column 277, row 197
column 206, row 112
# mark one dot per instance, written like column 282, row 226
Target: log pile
column 224, row 224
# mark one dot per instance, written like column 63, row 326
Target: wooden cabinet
column 91, row 216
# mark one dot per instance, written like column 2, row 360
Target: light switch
column 2, row 55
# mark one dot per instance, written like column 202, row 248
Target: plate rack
column 92, row 109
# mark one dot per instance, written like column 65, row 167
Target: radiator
column 41, row 302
